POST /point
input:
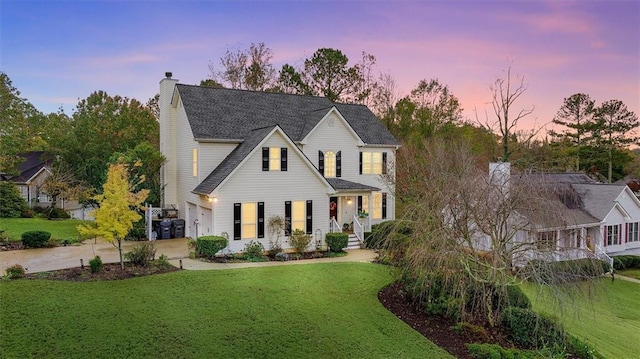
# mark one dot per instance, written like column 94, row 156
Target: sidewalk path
column 48, row 259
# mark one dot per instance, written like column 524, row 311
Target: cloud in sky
column 57, row 51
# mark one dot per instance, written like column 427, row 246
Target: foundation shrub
column 15, row 271
column 337, row 241
column 626, row 262
column 299, row 240
column 208, row 246
column 254, row 251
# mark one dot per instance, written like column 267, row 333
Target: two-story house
column 235, row 158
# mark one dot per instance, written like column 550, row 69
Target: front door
column 333, row 207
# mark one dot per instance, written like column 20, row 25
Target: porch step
column 353, row 242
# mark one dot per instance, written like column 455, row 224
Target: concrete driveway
column 46, row 259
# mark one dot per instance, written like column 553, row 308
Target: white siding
column 250, row 184
column 631, row 214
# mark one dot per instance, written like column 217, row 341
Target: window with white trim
column 298, row 215
column 329, row 164
column 376, row 205
column 612, row 234
column 632, row 232
column 194, row 162
column 547, row 240
column 274, row 159
column 249, row 220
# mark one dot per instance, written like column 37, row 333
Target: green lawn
column 633, row 273
column 609, row 321
column 327, row 310
column 59, row 229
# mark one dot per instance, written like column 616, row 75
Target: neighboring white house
column 598, row 220
column 235, row 158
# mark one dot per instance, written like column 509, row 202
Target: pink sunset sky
column 60, row 51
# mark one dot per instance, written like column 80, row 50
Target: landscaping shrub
column 51, row 213
column 581, row 349
column 495, row 351
column 14, row 272
column 163, row 261
column 337, row 241
column 530, row 330
column 626, row 262
column 471, row 331
column 381, row 231
column 141, row 254
column 138, row 232
column 254, row 251
column 300, row 240
column 11, row 202
column 208, row 246
column 543, row 272
column 95, row 265
column 35, row 239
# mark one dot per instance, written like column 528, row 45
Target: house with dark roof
column 590, row 219
column 32, row 172
column 235, row 158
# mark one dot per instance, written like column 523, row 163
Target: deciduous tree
column 118, row 207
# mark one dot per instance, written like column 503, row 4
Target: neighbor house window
column 298, row 215
column 632, row 232
column 248, row 220
column 274, row 159
column 547, row 240
column 612, row 234
column 194, row 162
column 373, row 163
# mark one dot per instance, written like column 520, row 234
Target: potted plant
column 363, row 214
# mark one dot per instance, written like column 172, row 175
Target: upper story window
column 330, row 163
column 373, row 163
column 274, row 159
column 194, row 162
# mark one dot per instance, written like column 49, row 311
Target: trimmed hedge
column 208, row 246
column 337, row 241
column 530, row 330
column 380, row 232
column 543, row 272
column 626, row 262
column 35, row 239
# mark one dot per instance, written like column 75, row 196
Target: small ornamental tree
column 11, row 202
column 118, row 205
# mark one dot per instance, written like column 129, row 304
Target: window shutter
column 321, row 162
column 287, row 218
column 283, row 159
column 360, row 165
column 384, row 206
column 260, row 219
column 620, row 233
column 339, row 164
column 606, row 235
column 309, row 217
column 237, row 225
column 265, row 158
column 384, row 163
column 359, row 203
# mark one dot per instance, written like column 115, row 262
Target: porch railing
column 358, row 229
column 602, row 255
column 334, row 227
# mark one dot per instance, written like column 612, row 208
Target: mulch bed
column 110, row 271
column 435, row 328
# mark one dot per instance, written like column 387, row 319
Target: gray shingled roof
column 598, row 199
column 228, row 114
column 343, row 185
column 227, row 165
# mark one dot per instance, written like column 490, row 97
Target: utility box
column 177, row 228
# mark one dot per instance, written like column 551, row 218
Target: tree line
column 104, row 128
